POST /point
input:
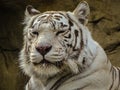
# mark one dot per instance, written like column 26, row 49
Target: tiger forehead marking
column 57, row 20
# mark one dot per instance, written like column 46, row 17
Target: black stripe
column 76, row 34
column 63, row 25
column 59, row 32
column 69, row 36
column 119, row 78
column 57, row 19
column 70, row 23
column 119, row 73
column 43, row 16
column 113, row 73
column 81, row 43
column 60, row 81
column 53, row 23
column 84, row 61
column 31, row 24
column 31, row 34
column 111, row 68
column 81, row 20
column 58, row 16
column 62, row 14
column 69, row 45
column 65, row 40
column 116, row 71
column 29, row 85
column 82, row 87
column 82, row 76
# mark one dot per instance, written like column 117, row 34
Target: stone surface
column 104, row 24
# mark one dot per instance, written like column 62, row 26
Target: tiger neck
column 87, row 52
column 51, row 82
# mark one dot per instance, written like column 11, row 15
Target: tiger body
column 60, row 54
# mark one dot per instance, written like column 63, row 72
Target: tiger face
column 53, row 40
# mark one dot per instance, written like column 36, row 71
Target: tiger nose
column 44, row 49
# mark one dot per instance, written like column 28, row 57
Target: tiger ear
column 82, row 12
column 29, row 12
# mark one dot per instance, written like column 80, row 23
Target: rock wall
column 104, row 24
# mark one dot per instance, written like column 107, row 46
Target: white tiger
column 60, row 54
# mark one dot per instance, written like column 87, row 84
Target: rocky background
column 104, row 23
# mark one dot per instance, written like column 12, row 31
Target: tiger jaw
column 46, row 67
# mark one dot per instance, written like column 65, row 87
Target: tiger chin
column 59, row 52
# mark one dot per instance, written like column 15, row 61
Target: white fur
column 90, row 71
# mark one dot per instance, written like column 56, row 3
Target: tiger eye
column 35, row 33
column 59, row 32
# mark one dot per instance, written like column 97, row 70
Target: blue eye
column 35, row 33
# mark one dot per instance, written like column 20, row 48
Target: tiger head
column 53, row 40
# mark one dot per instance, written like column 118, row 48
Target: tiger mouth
column 46, row 63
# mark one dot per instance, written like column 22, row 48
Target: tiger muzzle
column 44, row 48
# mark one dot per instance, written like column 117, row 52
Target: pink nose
column 43, row 48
